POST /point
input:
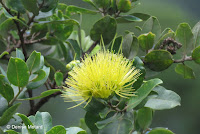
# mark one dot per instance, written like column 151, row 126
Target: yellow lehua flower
column 100, row 76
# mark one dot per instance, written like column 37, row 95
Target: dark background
column 181, row 120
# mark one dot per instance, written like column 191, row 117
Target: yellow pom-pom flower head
column 100, row 76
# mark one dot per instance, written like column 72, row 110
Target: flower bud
column 69, row 67
column 102, row 3
column 124, row 5
column 72, row 64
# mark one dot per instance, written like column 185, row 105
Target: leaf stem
column 14, row 99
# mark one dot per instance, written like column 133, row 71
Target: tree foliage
column 41, row 42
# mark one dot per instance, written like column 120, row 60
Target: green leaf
column 158, row 60
column 17, row 72
column 75, row 130
column 115, row 47
column 142, row 93
column 43, row 119
column 137, row 62
column 144, row 117
column 165, row 99
column 19, row 54
column 146, row 41
column 117, row 124
column 76, row 50
column 11, row 132
column 96, row 49
column 185, row 71
column 94, row 106
column 130, row 46
column 103, row 123
column 8, row 114
column 185, row 36
column 91, row 3
column 48, row 5
column 75, row 9
column 2, row 71
column 59, row 78
column 57, row 130
column 3, row 105
column 152, row 25
column 102, row 3
column 142, row 16
column 104, row 113
column 128, row 19
column 16, row 5
column 28, row 123
column 105, row 27
column 167, row 33
column 31, row 6
column 41, row 80
column 90, row 120
column 56, row 64
column 33, row 62
column 196, row 55
column 6, row 26
column 41, row 74
column 44, row 94
column 62, row 32
column 196, row 33
column 126, row 45
column 6, row 90
column 67, row 22
column 160, row 131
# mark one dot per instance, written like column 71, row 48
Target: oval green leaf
column 105, row 27
column 152, row 25
column 128, row 19
column 16, row 5
column 165, row 99
column 158, row 60
column 161, row 131
column 43, row 94
column 31, row 6
column 196, row 55
column 196, row 33
column 146, row 41
column 59, row 78
column 185, row 71
column 8, row 114
column 144, row 117
column 57, row 130
column 142, row 93
column 185, row 36
column 28, row 123
column 17, row 72
column 43, row 119
column 75, row 130
column 40, row 80
column 75, row 9
column 6, row 90
column 33, row 62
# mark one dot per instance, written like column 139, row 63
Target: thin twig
column 42, row 102
column 32, row 102
column 90, row 49
column 183, row 60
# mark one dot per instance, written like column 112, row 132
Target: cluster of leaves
column 41, row 123
column 47, row 26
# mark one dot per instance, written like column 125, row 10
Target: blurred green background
column 181, row 120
